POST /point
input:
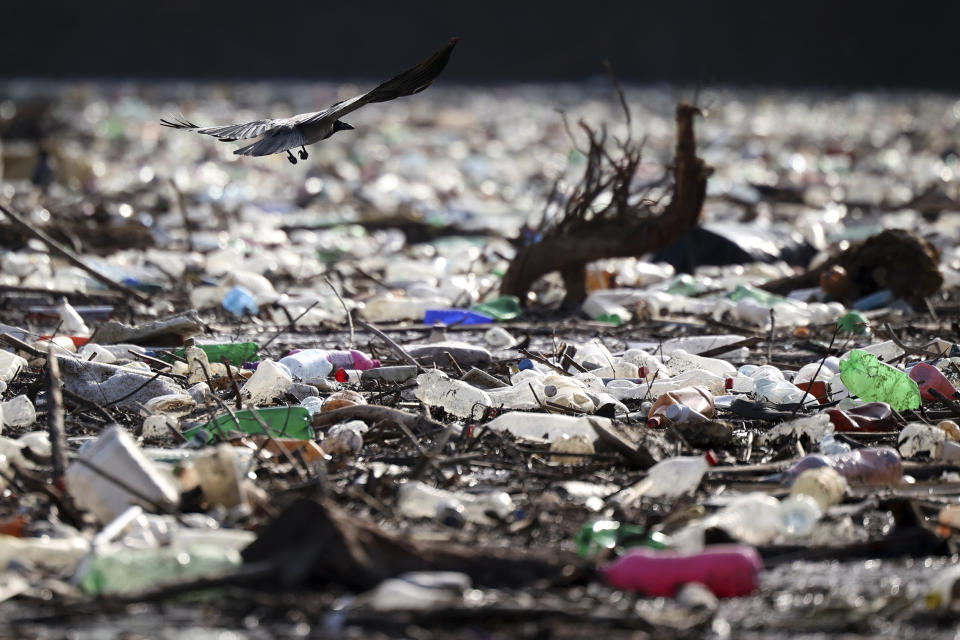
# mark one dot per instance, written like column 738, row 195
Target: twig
column 345, row 309
column 400, row 352
column 291, row 326
column 56, row 248
column 814, row 378
column 58, row 443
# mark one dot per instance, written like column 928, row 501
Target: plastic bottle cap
column 525, row 364
column 728, row 383
column 341, row 375
column 712, row 458
column 654, row 422
column 643, row 372
column 376, row 363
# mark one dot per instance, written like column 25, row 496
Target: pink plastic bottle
column 929, row 377
column 870, row 465
column 352, row 359
column 728, row 570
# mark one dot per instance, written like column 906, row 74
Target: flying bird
column 283, row 134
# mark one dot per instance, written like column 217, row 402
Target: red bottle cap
column 654, row 422
column 643, row 372
column 712, row 458
column 728, row 383
column 341, row 375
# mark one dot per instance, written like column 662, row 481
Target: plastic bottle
column 283, row 422
column 697, row 398
column 239, row 301
column 874, row 381
column 729, row 571
column 781, row 392
column 823, row 484
column 269, row 381
column 627, row 390
column 929, row 377
column 872, row 416
column 549, row 427
column 312, row 364
column 419, row 500
column 135, row 569
column 71, row 322
column 395, row 374
column 873, row 465
column 457, row 398
column 654, row 366
column 799, row 513
column 830, row 446
column 235, row 353
column 567, row 392
column 680, row 361
column 681, row 414
column 674, row 476
column 701, row 377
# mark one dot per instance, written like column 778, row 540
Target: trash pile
column 315, row 392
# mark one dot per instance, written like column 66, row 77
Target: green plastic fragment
column 284, row 422
column 874, row 381
column 235, row 353
column 610, row 534
column 610, row 318
column 854, row 322
column 501, row 309
column 763, row 297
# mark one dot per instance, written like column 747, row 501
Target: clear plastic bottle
column 697, row 398
column 653, row 364
column 680, row 414
column 549, row 427
column 419, row 500
column 799, row 513
column 135, row 569
column 701, row 377
column 729, row 571
column 674, row 476
column 781, row 392
column 313, row 364
column 681, row 361
column 463, row 400
column 567, row 392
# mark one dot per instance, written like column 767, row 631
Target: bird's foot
column 291, row 158
column 303, row 154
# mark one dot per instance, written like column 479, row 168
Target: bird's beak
column 343, row 126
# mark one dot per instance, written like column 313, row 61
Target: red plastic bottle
column 728, row 570
column 872, row 416
column 929, row 377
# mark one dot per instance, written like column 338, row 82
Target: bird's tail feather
column 179, row 123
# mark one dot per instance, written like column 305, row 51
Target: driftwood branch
column 622, row 228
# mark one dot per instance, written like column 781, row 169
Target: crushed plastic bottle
column 697, row 398
column 870, row 465
column 928, row 378
column 674, row 476
column 874, row 381
column 436, row 389
column 18, row 412
column 871, row 417
column 680, row 362
column 270, row 380
column 729, row 571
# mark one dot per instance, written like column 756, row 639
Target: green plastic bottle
column 500, row 309
column 874, row 381
column 235, row 353
column 284, row 422
column 854, row 322
column 610, row 534
column 136, row 569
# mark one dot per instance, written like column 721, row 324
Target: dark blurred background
column 884, row 43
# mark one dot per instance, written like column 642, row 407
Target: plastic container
column 455, row 316
column 219, row 476
column 697, row 398
column 729, row 571
column 929, row 377
column 116, row 453
column 874, row 381
column 457, row 398
column 674, row 476
column 781, row 392
column 873, row 465
column 268, row 382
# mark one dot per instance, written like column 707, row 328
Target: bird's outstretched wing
column 230, row 132
column 276, row 140
column 407, row 83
